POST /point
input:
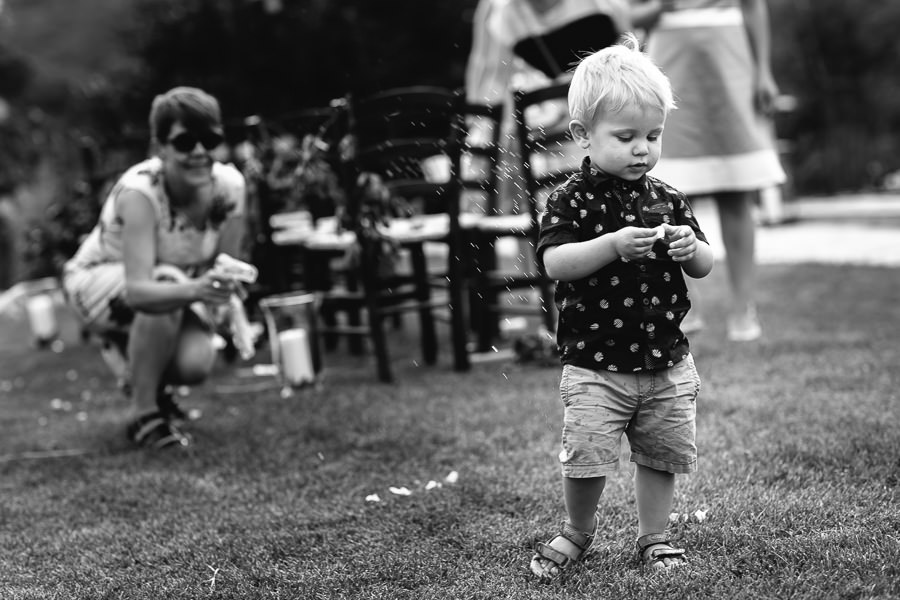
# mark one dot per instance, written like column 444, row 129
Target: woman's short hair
column 192, row 107
column 616, row 76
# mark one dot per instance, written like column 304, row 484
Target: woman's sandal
column 155, row 431
column 654, row 548
column 560, row 561
column 168, row 407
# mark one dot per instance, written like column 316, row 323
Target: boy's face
column 624, row 144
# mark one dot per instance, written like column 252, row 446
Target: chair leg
column 458, row 316
column 375, row 317
column 423, row 295
column 354, row 319
column 485, row 316
column 379, row 347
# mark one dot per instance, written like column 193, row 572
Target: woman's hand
column 765, row 92
column 214, row 288
column 682, row 242
column 635, row 242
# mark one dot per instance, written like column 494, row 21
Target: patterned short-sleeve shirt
column 625, row 316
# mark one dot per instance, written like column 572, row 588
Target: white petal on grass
column 373, row 498
column 432, row 485
column 400, row 491
column 452, row 477
column 700, row 515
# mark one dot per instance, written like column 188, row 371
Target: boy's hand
column 635, row 242
column 682, row 242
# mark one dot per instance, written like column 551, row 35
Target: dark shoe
column 168, row 407
column 155, row 432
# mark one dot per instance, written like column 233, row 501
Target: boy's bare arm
column 576, row 260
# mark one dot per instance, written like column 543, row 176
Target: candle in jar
column 296, row 357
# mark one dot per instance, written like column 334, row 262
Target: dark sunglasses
column 187, row 141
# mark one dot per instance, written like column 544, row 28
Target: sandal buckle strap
column 555, row 556
column 664, row 552
column 579, row 538
column 645, row 541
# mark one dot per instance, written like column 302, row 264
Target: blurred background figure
column 527, row 44
column 142, row 279
column 720, row 141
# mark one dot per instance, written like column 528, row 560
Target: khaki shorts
column 655, row 410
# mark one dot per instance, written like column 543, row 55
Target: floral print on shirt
column 625, row 316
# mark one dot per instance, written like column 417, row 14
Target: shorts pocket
column 695, row 376
column 564, row 385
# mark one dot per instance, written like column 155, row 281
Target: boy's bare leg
column 581, row 497
column 654, row 491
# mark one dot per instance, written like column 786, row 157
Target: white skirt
column 715, row 141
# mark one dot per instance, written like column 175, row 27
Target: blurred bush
column 840, row 58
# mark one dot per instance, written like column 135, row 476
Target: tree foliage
column 841, row 59
column 838, row 57
column 309, row 52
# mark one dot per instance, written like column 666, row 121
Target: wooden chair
column 520, row 288
column 410, row 139
column 277, row 225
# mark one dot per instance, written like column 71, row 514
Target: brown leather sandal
column 654, row 548
column 560, row 560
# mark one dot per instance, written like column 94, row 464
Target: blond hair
column 617, row 76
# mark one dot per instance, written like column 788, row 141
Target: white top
column 178, row 241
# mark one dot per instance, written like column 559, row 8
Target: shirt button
column 643, row 267
column 651, row 335
column 646, row 301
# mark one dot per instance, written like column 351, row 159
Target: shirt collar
column 595, row 177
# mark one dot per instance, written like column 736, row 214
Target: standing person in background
column 142, row 277
column 720, row 142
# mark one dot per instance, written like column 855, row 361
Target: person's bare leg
column 152, row 343
column 581, row 497
column 654, row 492
column 739, row 239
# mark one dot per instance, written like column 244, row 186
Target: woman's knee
column 194, row 357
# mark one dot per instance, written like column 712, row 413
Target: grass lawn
column 796, row 497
